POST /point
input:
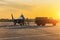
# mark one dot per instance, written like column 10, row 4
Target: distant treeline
column 5, row 20
column 9, row 20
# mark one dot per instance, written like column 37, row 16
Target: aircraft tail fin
column 12, row 16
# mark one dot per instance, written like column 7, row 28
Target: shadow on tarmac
column 23, row 27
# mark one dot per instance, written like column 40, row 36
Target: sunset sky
column 30, row 8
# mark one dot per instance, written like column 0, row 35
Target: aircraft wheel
column 20, row 24
column 14, row 23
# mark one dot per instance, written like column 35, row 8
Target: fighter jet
column 20, row 20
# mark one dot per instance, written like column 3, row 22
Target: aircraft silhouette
column 20, row 20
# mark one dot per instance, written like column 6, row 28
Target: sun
column 58, row 15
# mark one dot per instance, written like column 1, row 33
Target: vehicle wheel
column 38, row 24
column 43, row 24
column 54, row 24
